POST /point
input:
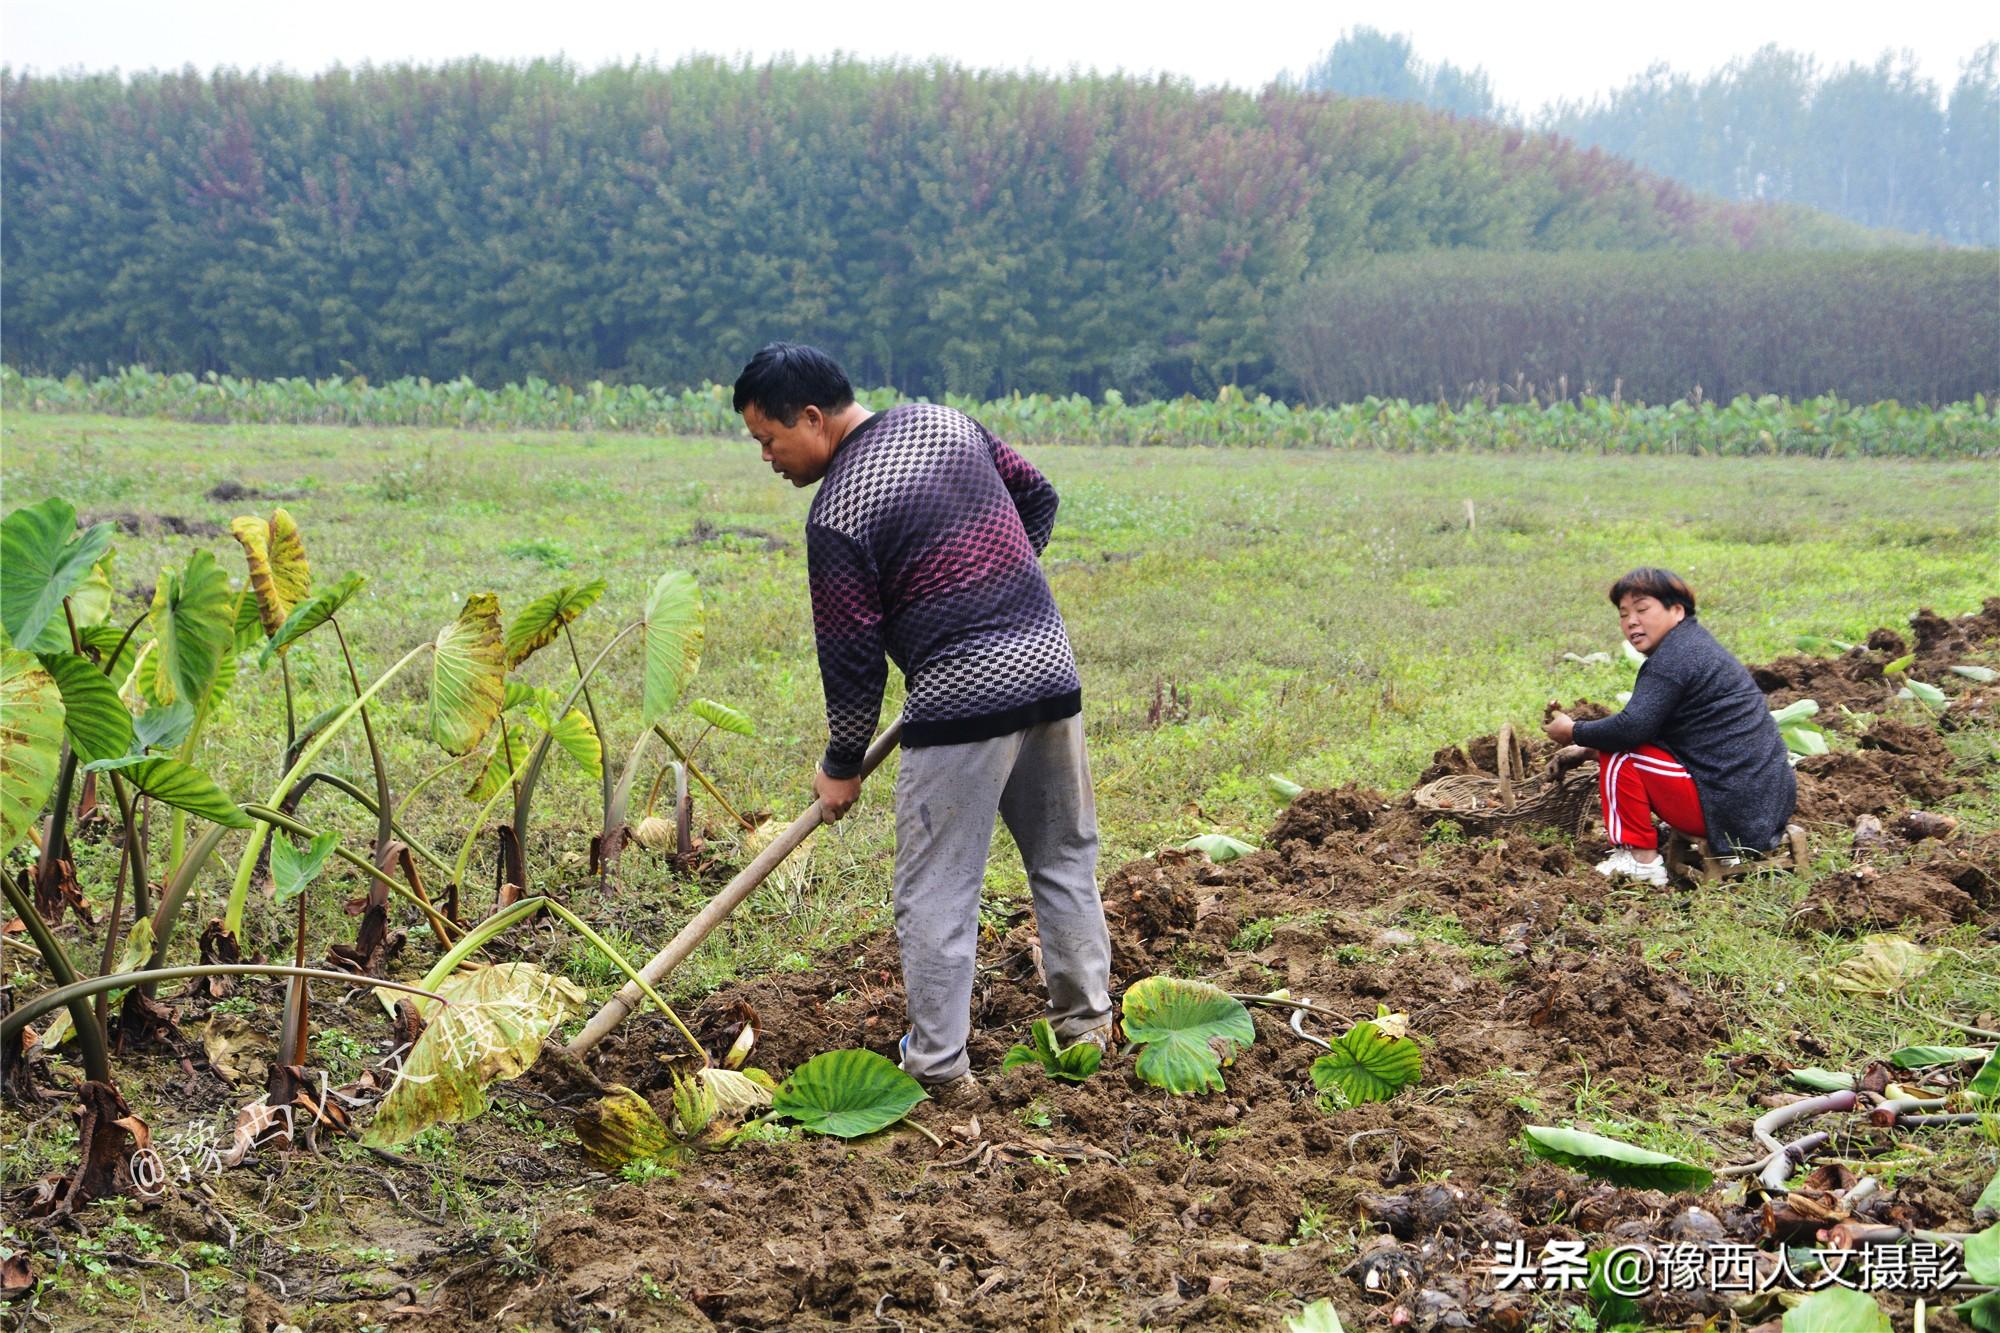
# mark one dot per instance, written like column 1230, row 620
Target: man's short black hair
column 785, row 378
column 1662, row 585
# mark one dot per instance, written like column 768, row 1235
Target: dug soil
column 1111, row 1204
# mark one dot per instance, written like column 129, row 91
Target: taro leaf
column 467, row 669
column 1813, row 643
column 1187, row 1031
column 673, row 644
column 1072, row 1064
column 1368, row 1065
column 1797, row 711
column 1923, row 1057
column 194, row 628
column 1836, row 1310
column 1611, row 1305
column 177, row 784
column 847, row 1094
column 1218, row 847
column 292, row 870
column 1900, row 665
column 542, row 619
column 493, row 1028
column 89, row 604
column 722, row 717
column 1882, row 965
column 1981, row 1312
column 1986, row 1083
column 1319, row 1317
column 1282, row 787
column 280, row 578
column 93, row 714
column 42, row 560
column 1922, row 693
column 1619, row 1163
column 31, row 737
column 735, row 1093
column 249, row 628
column 497, row 769
column 1989, row 1198
column 579, row 740
column 133, row 953
column 104, row 640
column 1631, row 654
column 310, row 614
column 163, row 727
column 1982, row 1257
column 1804, row 741
column 1984, row 675
column 1821, row 1080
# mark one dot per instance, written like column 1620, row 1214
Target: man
column 922, row 546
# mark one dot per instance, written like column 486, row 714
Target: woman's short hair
column 1662, row 585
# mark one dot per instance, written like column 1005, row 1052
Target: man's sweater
column 1696, row 700
column 922, row 544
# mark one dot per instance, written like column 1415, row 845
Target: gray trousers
column 1038, row 780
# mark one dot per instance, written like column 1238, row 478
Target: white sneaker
column 1621, row 864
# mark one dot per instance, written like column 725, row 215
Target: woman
column 1695, row 745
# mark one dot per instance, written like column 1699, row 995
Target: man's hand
column 1560, row 726
column 836, row 795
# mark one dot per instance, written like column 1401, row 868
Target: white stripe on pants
column 1038, row 780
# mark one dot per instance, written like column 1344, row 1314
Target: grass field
column 1329, row 616
column 1332, row 617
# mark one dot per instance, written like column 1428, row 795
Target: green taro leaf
column 310, row 614
column 1900, row 665
column 94, row 716
column 31, row 737
column 1368, row 1065
column 542, row 619
column 176, row 784
column 1187, row 1031
column 1803, row 741
column 1072, row 1064
column 1986, row 1083
column 1821, row 1080
column 722, row 717
column 1984, row 675
column 1981, row 1312
column 1836, row 1310
column 249, row 629
column 1982, row 1257
column 1814, row 643
column 1922, row 693
column 292, row 870
column 42, row 560
column 578, row 739
column 1619, row 1163
column 1796, row 711
column 89, row 604
column 847, row 1094
column 104, row 640
column 492, row 1029
column 162, row 727
column 673, row 644
column 194, row 628
column 1923, row 1057
column 1282, row 787
column 1319, row 1317
column 467, row 670
column 1218, row 847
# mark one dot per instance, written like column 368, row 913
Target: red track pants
column 1635, row 785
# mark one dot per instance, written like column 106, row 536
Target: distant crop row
column 1814, row 427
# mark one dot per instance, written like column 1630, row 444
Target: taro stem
column 89, row 1033
column 384, row 825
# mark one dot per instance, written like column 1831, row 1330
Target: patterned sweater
column 922, row 544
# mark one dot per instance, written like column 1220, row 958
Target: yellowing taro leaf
column 31, row 737
column 1883, row 964
column 467, row 670
column 537, row 626
column 620, row 1128
column 492, row 1029
column 279, row 575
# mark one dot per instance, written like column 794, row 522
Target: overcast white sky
column 1534, row 51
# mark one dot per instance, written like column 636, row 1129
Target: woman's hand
column 1560, row 726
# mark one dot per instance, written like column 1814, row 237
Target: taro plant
column 1071, row 1064
column 1187, row 1031
column 1370, row 1062
column 1801, row 738
column 1619, row 1163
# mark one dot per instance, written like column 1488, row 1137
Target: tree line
column 939, row 229
column 1878, row 144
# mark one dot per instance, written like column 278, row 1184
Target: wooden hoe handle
column 709, row 917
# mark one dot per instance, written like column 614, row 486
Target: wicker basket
column 1483, row 804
